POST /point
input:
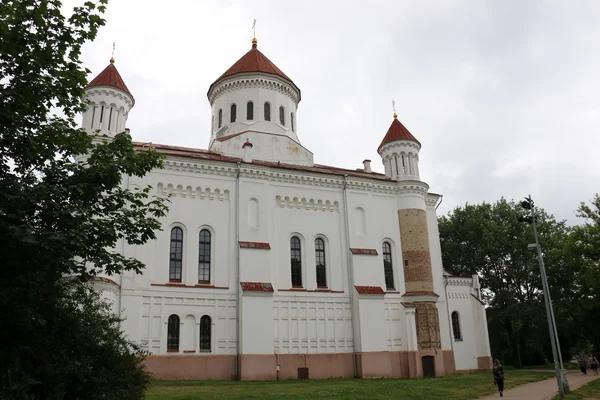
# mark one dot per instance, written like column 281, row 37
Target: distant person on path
column 498, row 372
column 593, row 364
column 583, row 364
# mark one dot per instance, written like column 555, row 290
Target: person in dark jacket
column 498, row 372
column 583, row 364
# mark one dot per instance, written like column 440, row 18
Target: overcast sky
column 503, row 95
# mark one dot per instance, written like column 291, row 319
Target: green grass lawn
column 451, row 387
column 589, row 391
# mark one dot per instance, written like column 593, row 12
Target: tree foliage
column 489, row 240
column 59, row 217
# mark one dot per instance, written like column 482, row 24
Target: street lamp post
column 561, row 376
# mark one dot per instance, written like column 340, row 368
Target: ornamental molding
column 110, row 92
column 300, row 178
column 255, row 81
column 431, row 201
column 191, row 192
column 401, row 144
column 307, row 204
column 199, row 168
column 459, row 281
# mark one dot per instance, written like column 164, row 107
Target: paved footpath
column 542, row 390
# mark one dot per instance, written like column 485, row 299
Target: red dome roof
column 397, row 131
column 110, row 77
column 254, row 61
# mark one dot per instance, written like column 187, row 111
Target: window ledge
column 183, row 285
column 388, row 291
column 172, row 350
column 189, row 351
column 310, row 291
column 206, row 351
column 458, row 339
column 174, row 280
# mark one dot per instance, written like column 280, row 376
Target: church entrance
column 428, row 366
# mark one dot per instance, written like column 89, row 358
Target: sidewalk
column 542, row 390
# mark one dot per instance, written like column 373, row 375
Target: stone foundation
column 383, row 364
column 485, row 363
column 191, row 367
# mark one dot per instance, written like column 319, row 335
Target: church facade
column 270, row 266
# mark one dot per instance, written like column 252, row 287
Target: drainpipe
column 237, row 278
column 449, row 318
column 350, row 273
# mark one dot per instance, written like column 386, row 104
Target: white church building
column 270, row 266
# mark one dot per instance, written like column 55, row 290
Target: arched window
column 232, row 113
column 292, row 121
column 176, row 256
column 204, row 257
column 250, row 111
column 267, row 111
column 173, row 333
column 388, row 268
column 456, row 326
column 296, row 261
column 220, row 117
column 321, row 266
column 282, row 116
column 205, row 334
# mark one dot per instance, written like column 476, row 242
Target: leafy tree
column 60, row 217
column 489, row 240
column 583, row 249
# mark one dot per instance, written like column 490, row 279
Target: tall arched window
column 176, row 256
column 204, row 257
column 388, row 268
column 205, row 334
column 321, row 266
column 296, row 262
column 220, row 117
column 232, row 113
column 250, row 111
column 267, row 111
column 456, row 326
column 292, row 121
column 281, row 116
column 173, row 333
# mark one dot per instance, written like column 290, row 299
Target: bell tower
column 109, row 102
column 399, row 151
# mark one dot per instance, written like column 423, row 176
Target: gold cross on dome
column 394, row 106
column 254, row 28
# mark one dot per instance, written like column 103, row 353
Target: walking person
column 498, row 372
column 593, row 364
column 583, row 364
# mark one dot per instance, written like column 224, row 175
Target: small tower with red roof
column 399, row 151
column 109, row 102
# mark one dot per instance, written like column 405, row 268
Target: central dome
column 254, row 61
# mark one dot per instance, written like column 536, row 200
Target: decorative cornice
column 400, row 144
column 190, row 192
column 431, row 200
column 363, row 252
column 251, row 81
column 300, row 177
column 255, row 245
column 304, row 204
column 459, row 281
column 108, row 91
